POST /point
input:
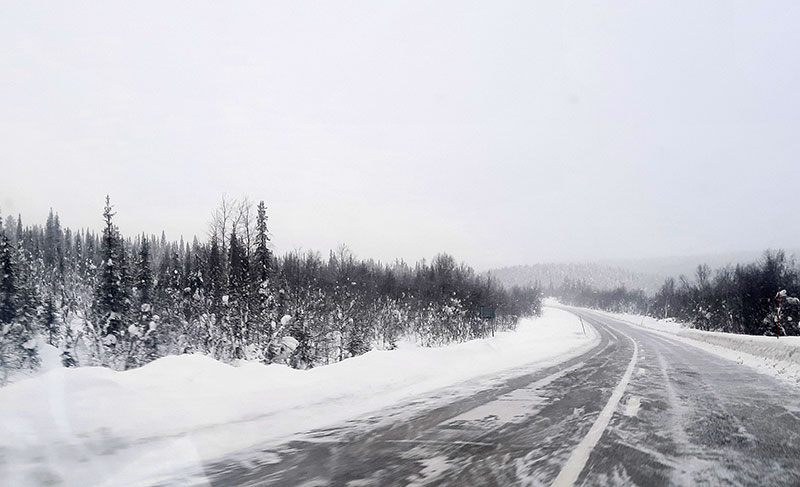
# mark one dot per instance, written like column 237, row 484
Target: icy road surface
column 683, row 417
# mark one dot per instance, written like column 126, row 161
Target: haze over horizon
column 506, row 133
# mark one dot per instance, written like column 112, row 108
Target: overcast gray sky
column 501, row 132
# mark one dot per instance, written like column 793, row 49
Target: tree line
column 734, row 299
column 620, row 299
column 105, row 299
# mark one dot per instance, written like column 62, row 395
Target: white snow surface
column 779, row 357
column 95, row 426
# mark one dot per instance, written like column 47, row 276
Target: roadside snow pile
column 95, row 426
column 769, row 355
column 783, row 349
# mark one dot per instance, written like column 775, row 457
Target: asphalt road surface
column 638, row 409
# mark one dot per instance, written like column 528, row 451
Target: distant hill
column 647, row 274
column 686, row 265
column 598, row 275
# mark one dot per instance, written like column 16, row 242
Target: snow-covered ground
column 94, row 426
column 779, row 357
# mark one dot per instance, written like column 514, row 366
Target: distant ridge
column 647, row 274
column 597, row 275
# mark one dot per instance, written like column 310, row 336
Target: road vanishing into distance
column 637, row 409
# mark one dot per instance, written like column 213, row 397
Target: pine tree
column 68, row 252
column 164, row 280
column 80, row 261
column 110, row 295
column 91, row 249
column 8, row 307
column 50, row 322
column 263, row 255
column 238, row 268
column 216, row 284
column 127, row 276
column 8, row 287
column 144, row 277
column 59, row 246
column 263, row 302
column 238, row 310
column 18, row 303
column 197, row 269
column 146, row 326
column 188, row 269
column 49, row 251
column 20, row 232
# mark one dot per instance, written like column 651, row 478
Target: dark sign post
column 487, row 313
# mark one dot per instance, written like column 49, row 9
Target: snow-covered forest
column 736, row 299
column 122, row 301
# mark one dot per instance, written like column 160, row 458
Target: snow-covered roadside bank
column 94, row 426
column 776, row 357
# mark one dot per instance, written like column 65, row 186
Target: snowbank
column 95, row 426
column 784, row 349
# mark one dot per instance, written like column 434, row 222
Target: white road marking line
column 580, row 455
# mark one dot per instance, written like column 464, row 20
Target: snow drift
column 784, row 349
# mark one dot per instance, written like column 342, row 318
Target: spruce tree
column 144, row 289
column 144, row 277
column 110, row 294
column 216, row 278
column 50, row 322
column 238, row 268
column 8, row 308
column 8, row 287
column 18, row 305
column 263, row 255
column 163, row 281
column 263, row 303
column 59, row 246
column 49, row 251
column 20, row 231
column 188, row 269
column 91, row 249
column 238, row 286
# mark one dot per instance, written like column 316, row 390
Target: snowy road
column 638, row 409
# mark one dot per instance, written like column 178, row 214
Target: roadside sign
column 487, row 312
